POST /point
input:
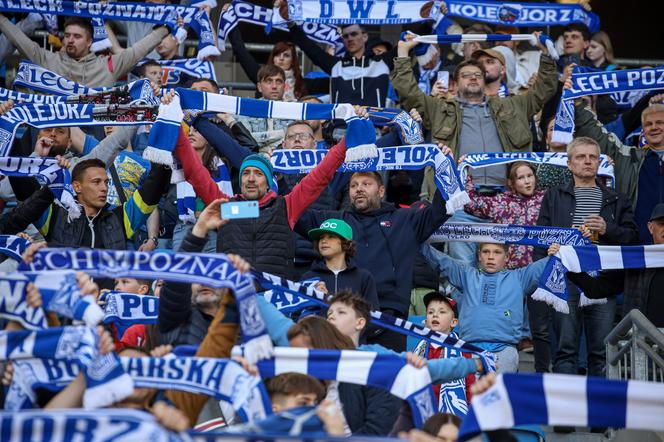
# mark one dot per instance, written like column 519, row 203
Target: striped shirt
column 588, row 202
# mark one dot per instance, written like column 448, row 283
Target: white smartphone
column 444, row 79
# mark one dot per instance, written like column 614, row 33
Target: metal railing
column 635, row 350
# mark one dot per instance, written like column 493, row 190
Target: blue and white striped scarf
column 552, row 286
column 48, row 172
column 167, row 15
column 186, row 196
column 408, row 129
column 192, row 67
column 414, row 157
column 106, row 381
column 522, row 14
column 59, row 292
column 452, row 396
column 13, row 246
column 212, row 270
column 388, row 371
column 116, row 424
column 361, row 12
column 538, row 236
column 569, row 400
column 403, row 326
column 261, row 16
column 126, row 309
column 598, row 83
column 558, row 159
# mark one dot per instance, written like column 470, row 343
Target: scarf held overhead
column 598, row 83
column 212, row 270
column 13, row 246
column 538, row 236
column 389, row 158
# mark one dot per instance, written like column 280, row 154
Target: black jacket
column 558, row 210
column 353, row 277
column 20, row 217
column 368, row 410
column 387, row 240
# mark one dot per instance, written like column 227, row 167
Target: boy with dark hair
column 293, row 390
column 350, row 313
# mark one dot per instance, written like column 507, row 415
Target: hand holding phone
column 240, row 210
column 444, row 79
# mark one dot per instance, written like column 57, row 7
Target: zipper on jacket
column 336, row 278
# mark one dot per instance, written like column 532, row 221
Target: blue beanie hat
column 260, row 162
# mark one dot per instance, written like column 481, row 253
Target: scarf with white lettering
column 522, row 14
column 166, row 15
column 261, row 16
column 558, row 159
column 598, row 83
column 562, row 399
column 212, row 270
column 47, row 172
column 388, row 371
column 100, row 40
column 360, row 12
column 408, row 129
column 59, row 292
column 13, row 246
column 405, row 327
column 389, row 158
column 538, row 236
column 67, row 425
column 186, row 197
column 106, row 382
column 466, row 38
column 173, row 70
column 452, row 396
column 552, row 287
column 127, row 309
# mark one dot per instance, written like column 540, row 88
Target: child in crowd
column 137, row 335
column 336, row 270
column 491, row 299
column 441, row 317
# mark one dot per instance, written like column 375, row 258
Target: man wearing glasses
column 358, row 77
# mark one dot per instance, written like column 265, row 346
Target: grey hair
column 582, row 141
column 652, row 109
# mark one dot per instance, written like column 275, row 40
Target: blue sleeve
column 277, row 324
column 89, row 144
column 447, row 266
column 440, row 370
column 221, row 142
column 531, row 273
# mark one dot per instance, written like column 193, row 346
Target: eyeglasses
column 350, row 34
column 469, row 75
column 299, row 136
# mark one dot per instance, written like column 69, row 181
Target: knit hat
column 360, row 140
column 335, row 226
column 260, row 162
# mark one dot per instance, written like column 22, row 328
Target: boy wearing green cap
column 337, row 270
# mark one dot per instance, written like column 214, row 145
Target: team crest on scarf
column 508, row 234
column 361, row 165
column 556, row 280
column 509, row 13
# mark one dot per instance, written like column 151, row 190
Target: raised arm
column 127, row 59
column 144, row 200
column 111, row 146
column 225, row 145
column 543, row 89
column 28, row 48
column 249, row 64
column 454, row 270
column 317, row 55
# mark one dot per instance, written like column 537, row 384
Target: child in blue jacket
column 491, row 300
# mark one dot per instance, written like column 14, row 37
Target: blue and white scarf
column 552, row 286
column 569, row 400
column 538, row 236
column 213, row 270
column 387, row 371
column 598, row 83
column 191, row 67
column 361, row 12
column 414, row 157
column 558, row 159
column 13, row 246
column 409, row 130
column 126, row 309
column 186, row 196
column 522, row 14
column 287, row 303
column 106, row 382
column 261, row 16
column 32, row 374
column 405, row 327
column 452, row 396
column 117, row 424
column 59, row 292
column 47, row 172
column 167, row 15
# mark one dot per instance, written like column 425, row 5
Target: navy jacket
column 357, row 279
column 368, row 410
column 387, row 241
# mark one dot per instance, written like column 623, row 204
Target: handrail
column 635, row 317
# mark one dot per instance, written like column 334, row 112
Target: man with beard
column 494, row 68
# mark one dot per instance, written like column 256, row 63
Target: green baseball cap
column 336, row 226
